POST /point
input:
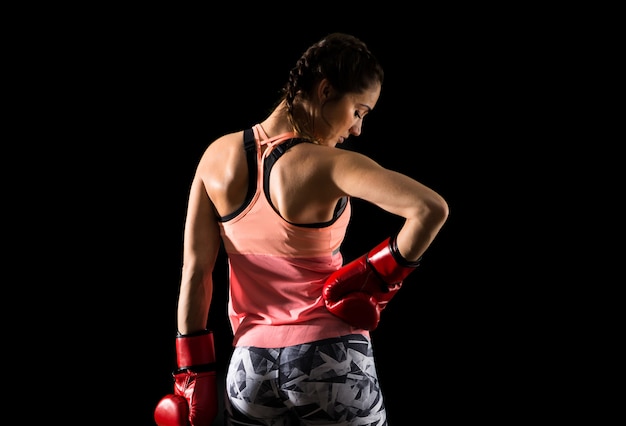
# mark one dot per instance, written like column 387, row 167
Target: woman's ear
column 324, row 90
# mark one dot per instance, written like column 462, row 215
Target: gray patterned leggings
column 327, row 382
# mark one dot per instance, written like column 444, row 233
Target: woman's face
column 341, row 117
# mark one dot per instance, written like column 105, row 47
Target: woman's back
column 277, row 267
column 300, row 185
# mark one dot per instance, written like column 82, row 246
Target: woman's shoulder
column 227, row 141
column 227, row 150
column 331, row 155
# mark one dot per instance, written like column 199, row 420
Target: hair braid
column 341, row 58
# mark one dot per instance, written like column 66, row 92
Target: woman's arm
column 424, row 210
column 200, row 249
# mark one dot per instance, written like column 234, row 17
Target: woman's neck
column 277, row 122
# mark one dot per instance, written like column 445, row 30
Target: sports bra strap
column 249, row 145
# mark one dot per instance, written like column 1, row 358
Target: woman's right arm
column 201, row 244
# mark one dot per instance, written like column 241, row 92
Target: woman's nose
column 356, row 129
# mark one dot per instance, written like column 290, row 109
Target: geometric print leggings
column 327, row 382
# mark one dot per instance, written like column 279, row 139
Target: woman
column 277, row 196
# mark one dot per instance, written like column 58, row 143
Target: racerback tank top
column 277, row 268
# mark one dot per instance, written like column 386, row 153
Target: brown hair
column 344, row 60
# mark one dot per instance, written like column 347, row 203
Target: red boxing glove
column 194, row 401
column 360, row 290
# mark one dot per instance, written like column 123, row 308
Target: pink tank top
column 277, row 269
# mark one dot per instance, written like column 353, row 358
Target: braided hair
column 344, row 60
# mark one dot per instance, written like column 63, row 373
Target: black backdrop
column 165, row 88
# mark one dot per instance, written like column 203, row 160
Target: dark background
column 458, row 112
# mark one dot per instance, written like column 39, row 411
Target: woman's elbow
column 436, row 211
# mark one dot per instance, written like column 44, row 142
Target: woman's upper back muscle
column 224, row 171
column 301, row 188
column 308, row 180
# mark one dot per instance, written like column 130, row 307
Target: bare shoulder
column 225, row 151
column 227, row 144
column 314, row 167
column 223, row 170
column 332, row 156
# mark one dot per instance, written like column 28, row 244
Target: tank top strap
column 261, row 136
